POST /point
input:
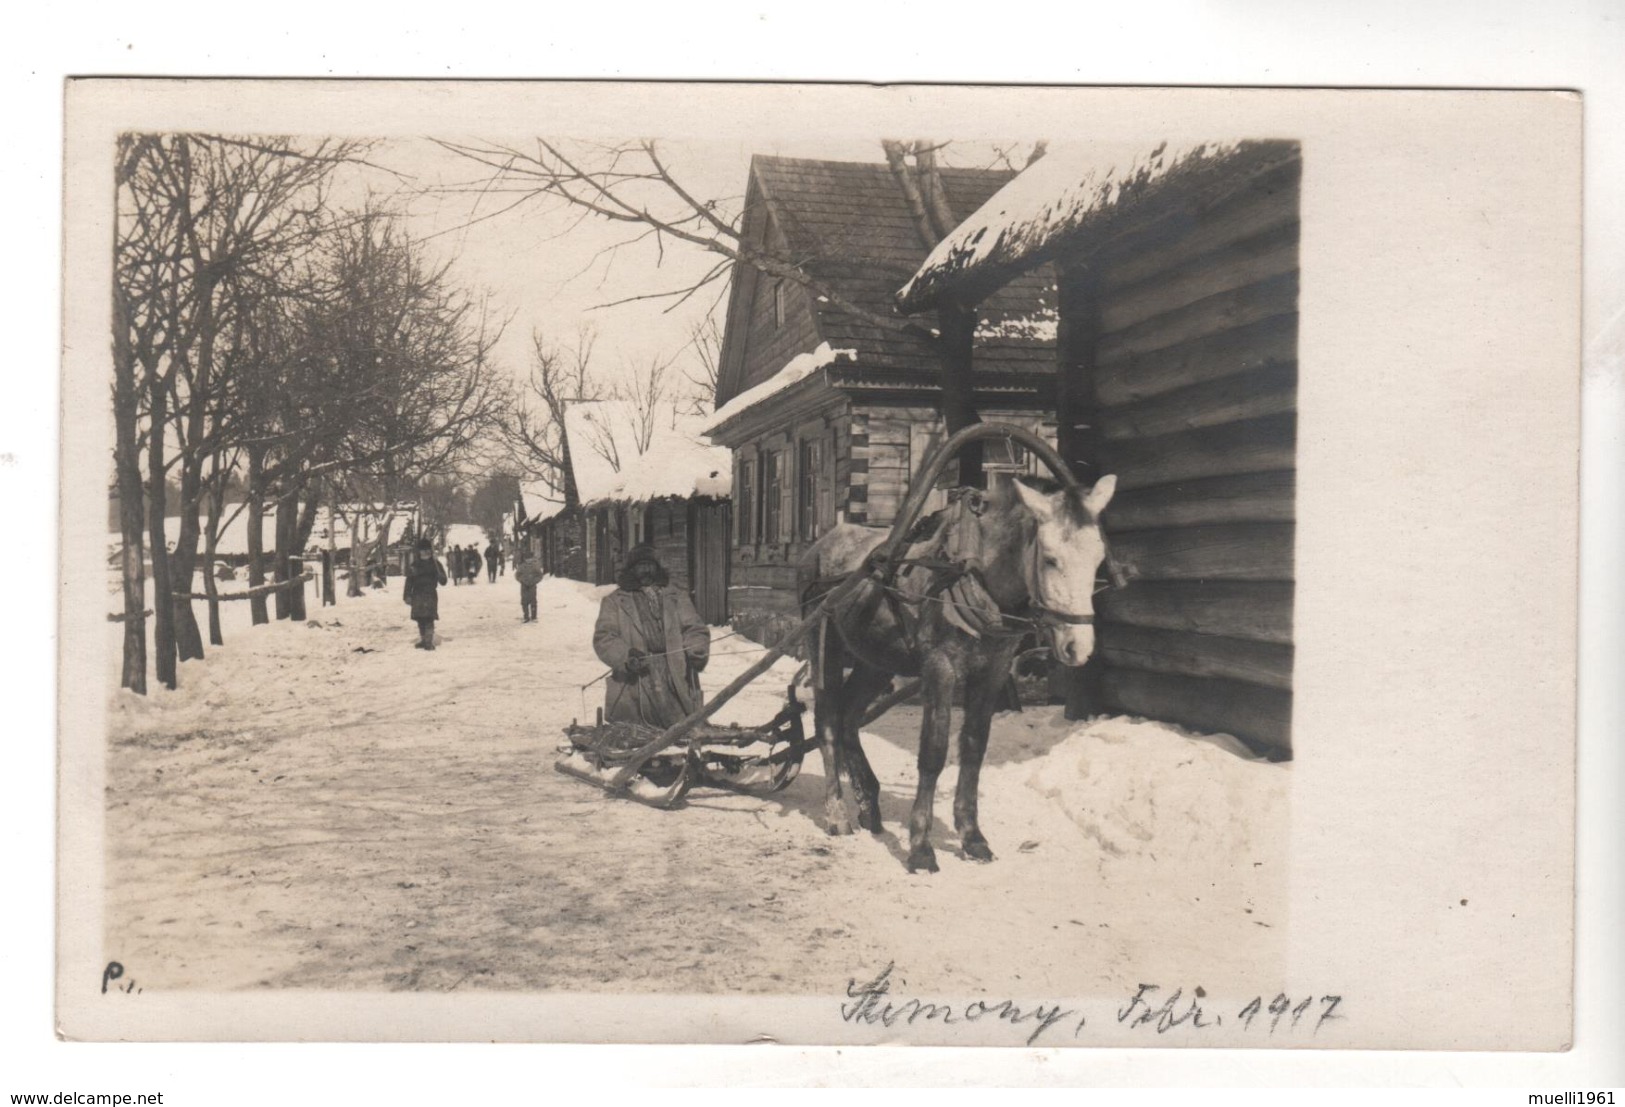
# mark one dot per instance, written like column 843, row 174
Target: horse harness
column 962, row 572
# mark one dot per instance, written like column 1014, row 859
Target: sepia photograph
column 539, row 568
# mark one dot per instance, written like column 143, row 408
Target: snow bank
column 795, row 370
column 1059, row 194
column 1143, row 790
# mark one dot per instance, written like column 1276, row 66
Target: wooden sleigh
column 660, row 767
column 760, row 759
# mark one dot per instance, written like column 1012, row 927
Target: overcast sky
column 550, row 270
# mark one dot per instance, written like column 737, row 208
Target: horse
column 1037, row 552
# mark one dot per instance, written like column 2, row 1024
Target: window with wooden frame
column 1004, row 455
column 745, row 501
column 772, row 496
column 812, row 490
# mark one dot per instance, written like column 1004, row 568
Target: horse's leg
column 862, row 686
column 937, row 694
column 828, row 696
column 982, row 688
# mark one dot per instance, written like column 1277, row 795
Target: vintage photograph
column 848, row 571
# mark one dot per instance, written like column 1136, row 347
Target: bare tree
column 705, row 371
column 560, row 374
column 646, row 394
column 396, row 382
column 203, row 221
column 631, row 183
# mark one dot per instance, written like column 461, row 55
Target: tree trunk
column 256, row 533
column 896, row 157
column 329, row 554
column 357, row 562
column 131, row 499
column 958, row 326
column 379, row 552
column 183, row 566
column 163, row 626
column 287, row 521
column 303, row 522
column 927, row 204
column 932, row 190
column 188, row 640
column 211, row 540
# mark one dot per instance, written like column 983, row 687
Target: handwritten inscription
column 870, row 1006
column 115, row 971
column 1151, row 1006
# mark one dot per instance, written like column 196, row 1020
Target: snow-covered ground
column 321, row 805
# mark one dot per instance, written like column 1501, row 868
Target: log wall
column 1192, row 385
column 871, row 450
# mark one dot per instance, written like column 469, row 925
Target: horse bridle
column 1045, row 615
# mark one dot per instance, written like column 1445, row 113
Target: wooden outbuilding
column 827, row 415
column 675, row 497
column 1177, row 351
column 638, row 481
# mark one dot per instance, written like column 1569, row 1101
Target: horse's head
column 1065, row 557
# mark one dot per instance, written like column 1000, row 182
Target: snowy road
column 323, row 806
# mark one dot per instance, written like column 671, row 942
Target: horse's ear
column 1035, row 501
column 1101, row 494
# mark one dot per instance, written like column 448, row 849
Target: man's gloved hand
column 696, row 662
column 637, row 662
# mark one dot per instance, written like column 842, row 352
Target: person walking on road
column 472, row 564
column 529, row 574
column 424, row 576
column 491, row 556
column 454, row 562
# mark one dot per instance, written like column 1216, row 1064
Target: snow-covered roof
column 792, row 372
column 1066, row 192
column 540, row 502
column 600, row 430
column 678, row 462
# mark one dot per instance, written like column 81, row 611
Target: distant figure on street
column 424, row 576
column 454, row 561
column 502, row 558
column 529, row 574
column 492, row 554
column 472, row 564
column 655, row 644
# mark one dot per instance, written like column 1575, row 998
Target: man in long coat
column 655, row 644
column 424, row 576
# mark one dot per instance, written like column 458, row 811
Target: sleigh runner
column 760, row 759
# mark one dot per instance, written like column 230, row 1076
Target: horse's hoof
column 923, row 861
column 976, row 849
column 870, row 822
column 837, row 827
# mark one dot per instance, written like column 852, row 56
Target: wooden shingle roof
column 849, row 225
